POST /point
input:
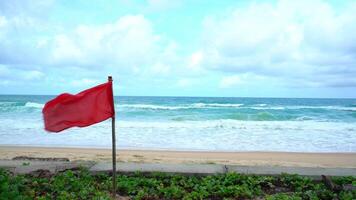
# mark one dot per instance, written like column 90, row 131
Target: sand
column 328, row 160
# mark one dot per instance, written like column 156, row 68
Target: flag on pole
column 83, row 109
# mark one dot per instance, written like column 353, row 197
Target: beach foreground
column 326, row 160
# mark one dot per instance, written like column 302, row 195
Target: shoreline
column 166, row 149
column 253, row 158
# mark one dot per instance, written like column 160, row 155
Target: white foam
column 322, row 107
column 303, row 118
column 7, row 103
column 150, row 106
column 300, row 107
column 236, row 106
column 261, row 104
column 267, row 108
column 221, row 135
column 34, row 105
column 345, row 108
column 178, row 107
column 217, row 105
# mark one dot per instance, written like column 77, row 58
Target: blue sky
column 179, row 47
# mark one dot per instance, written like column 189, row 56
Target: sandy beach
column 345, row 160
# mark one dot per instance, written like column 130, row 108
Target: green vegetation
column 81, row 185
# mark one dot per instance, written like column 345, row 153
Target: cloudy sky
column 179, row 48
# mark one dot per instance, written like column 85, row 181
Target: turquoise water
column 195, row 123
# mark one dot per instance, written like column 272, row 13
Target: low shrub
column 82, row 185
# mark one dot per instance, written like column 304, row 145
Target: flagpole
column 113, row 149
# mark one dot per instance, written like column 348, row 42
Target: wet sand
column 343, row 160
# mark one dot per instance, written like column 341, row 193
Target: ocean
column 194, row 123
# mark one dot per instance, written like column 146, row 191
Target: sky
column 180, row 47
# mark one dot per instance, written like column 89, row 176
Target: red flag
column 83, row 109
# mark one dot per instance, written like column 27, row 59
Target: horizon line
column 194, row 96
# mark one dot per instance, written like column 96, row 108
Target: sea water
column 194, row 123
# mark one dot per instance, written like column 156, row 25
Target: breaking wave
column 34, row 105
column 233, row 106
column 12, row 106
column 178, row 107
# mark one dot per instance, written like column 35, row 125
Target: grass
column 82, row 185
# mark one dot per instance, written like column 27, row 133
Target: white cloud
column 195, row 60
column 4, row 82
column 185, row 82
column 160, row 69
column 21, row 24
column 294, row 40
column 252, row 80
column 128, row 45
column 4, row 71
column 230, row 81
column 32, row 75
column 83, row 82
column 283, row 44
column 127, row 42
column 65, row 50
column 3, row 21
column 18, row 76
column 159, row 5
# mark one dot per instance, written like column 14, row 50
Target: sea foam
column 34, row 105
column 221, row 135
column 222, row 124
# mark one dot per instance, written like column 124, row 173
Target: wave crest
column 34, row 105
column 178, row 107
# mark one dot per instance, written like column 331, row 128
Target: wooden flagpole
column 113, row 149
